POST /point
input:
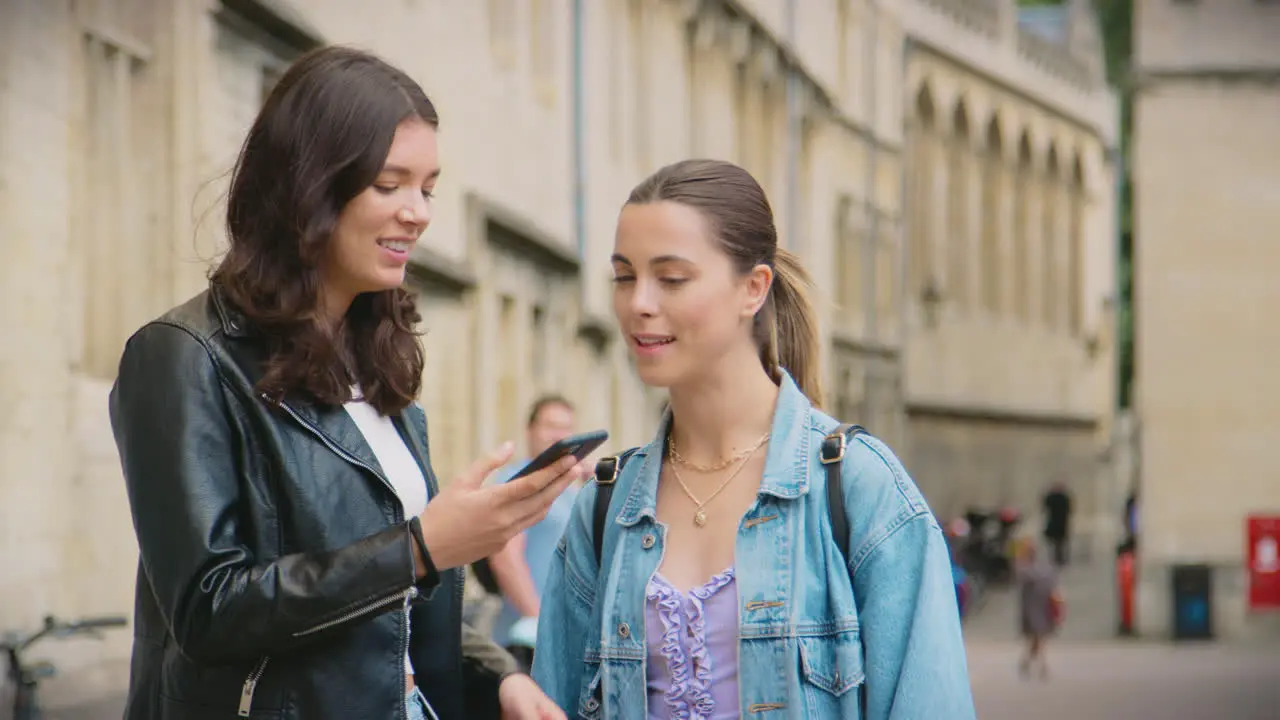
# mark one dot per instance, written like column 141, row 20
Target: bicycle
column 26, row 678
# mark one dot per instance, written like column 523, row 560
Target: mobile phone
column 578, row 446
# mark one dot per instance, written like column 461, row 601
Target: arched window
column 1051, row 245
column 1022, row 231
column 992, row 277
column 1075, row 257
column 957, row 234
column 922, row 176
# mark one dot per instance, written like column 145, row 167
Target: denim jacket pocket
column 832, row 663
column 589, row 701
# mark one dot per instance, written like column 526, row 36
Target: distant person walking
column 1057, row 526
column 1039, row 607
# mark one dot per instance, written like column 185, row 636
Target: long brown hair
column 738, row 213
column 320, row 139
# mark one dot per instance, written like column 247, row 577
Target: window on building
column 449, row 374
column 508, row 399
column 741, row 114
column 849, row 406
column 617, row 85
column 887, row 253
column 992, row 275
column 1022, row 271
column 848, row 241
column 921, row 180
column 542, row 50
column 540, row 342
column 502, row 31
column 637, row 26
column 1075, row 259
column 1050, row 242
column 123, row 252
column 958, row 252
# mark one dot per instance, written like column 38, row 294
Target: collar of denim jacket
column 786, row 465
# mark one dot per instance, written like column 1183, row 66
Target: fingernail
column 505, row 447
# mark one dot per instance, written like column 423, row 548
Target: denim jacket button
column 647, row 541
column 591, row 705
column 624, row 630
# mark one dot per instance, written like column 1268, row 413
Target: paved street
column 1096, row 677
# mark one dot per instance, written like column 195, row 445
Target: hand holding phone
column 469, row 520
column 579, row 446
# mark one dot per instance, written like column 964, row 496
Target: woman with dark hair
column 757, row 558
column 297, row 558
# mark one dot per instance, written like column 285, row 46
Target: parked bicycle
column 26, row 678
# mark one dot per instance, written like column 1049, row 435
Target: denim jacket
column 810, row 644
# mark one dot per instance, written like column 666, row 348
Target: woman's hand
column 469, row 520
column 522, row 699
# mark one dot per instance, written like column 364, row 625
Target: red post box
column 1263, row 554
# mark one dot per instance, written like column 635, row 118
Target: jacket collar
column 333, row 424
column 232, row 320
column 339, row 431
column 786, row 466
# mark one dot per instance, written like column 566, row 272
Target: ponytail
column 787, row 327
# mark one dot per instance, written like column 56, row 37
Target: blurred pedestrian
column 1057, row 524
column 1039, row 607
column 520, row 568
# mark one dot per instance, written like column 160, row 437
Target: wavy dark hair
column 320, row 139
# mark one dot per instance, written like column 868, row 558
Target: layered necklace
column 700, row 514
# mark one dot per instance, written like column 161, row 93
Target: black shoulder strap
column 833, row 447
column 607, row 470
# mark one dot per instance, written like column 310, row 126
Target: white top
column 398, row 464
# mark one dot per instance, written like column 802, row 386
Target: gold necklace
column 678, row 458
column 700, row 514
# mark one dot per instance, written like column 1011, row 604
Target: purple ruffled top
column 693, row 649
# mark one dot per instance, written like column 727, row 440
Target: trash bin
column 1192, row 602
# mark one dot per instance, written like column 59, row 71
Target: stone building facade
column 120, row 119
column 1206, row 175
column 1009, row 365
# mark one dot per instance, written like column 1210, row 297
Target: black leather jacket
column 275, row 561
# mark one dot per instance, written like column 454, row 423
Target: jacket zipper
column 251, row 684
column 405, row 597
column 343, row 453
column 404, row 646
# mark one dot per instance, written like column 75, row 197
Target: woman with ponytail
column 710, row 574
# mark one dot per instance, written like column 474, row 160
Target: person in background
column 1057, row 524
column 520, row 568
column 1039, row 607
column 1131, row 520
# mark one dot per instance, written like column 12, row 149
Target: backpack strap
column 607, row 470
column 833, row 448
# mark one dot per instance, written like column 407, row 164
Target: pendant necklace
column 700, row 514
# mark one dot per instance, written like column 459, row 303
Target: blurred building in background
column 1010, row 357
column 1207, row 268
column 982, row 141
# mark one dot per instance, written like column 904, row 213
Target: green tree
column 1116, row 20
